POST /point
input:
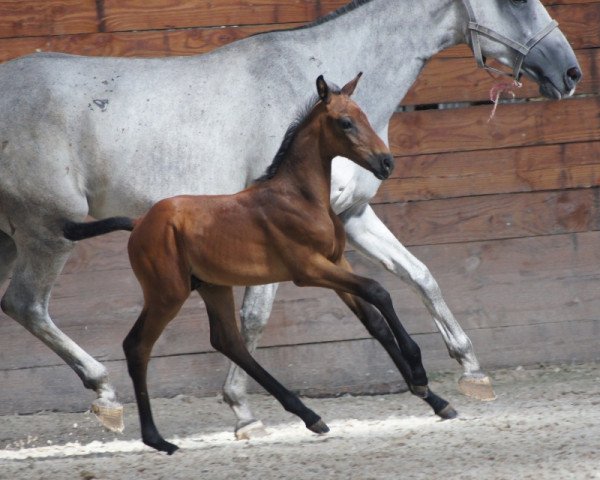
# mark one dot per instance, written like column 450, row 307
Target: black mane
column 290, row 135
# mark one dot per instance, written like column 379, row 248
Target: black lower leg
column 226, row 338
column 440, row 406
column 288, row 400
column 409, row 348
column 137, row 367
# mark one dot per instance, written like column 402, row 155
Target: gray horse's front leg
column 255, row 312
column 372, row 238
column 26, row 300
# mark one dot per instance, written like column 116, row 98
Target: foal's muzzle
column 384, row 164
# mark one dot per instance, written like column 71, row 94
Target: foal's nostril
column 573, row 76
column 387, row 163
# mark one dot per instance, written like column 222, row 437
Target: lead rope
column 500, row 88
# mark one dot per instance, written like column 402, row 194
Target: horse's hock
column 504, row 214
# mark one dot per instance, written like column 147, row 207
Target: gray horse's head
column 521, row 35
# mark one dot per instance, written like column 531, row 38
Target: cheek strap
column 522, row 49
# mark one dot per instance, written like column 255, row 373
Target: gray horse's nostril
column 574, row 76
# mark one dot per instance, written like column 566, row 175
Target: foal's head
column 346, row 131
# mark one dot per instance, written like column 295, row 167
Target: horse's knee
column 378, row 295
column 29, row 313
column 425, row 282
column 253, row 320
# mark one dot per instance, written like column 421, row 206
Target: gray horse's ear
column 323, row 90
column 351, row 85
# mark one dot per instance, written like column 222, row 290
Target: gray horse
column 82, row 135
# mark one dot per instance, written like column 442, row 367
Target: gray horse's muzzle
column 555, row 69
column 533, row 56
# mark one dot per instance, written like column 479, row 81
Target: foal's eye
column 519, row 2
column 346, row 123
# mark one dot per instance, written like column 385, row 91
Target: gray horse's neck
column 374, row 38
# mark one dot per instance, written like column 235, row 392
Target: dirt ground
column 545, row 424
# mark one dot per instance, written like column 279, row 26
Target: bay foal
column 282, row 228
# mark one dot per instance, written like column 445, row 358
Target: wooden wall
column 505, row 214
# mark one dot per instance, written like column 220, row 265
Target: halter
column 522, row 49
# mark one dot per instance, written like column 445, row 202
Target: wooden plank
column 21, row 18
column 579, row 23
column 59, row 17
column 492, row 216
column 154, row 43
column 331, row 366
column 485, row 172
column 124, row 15
column 446, row 80
column 464, row 129
column 359, row 366
column 517, row 282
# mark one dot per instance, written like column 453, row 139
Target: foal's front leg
column 226, row 338
column 395, row 339
column 378, row 328
column 372, row 238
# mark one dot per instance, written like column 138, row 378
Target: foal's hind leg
column 378, row 328
column 254, row 314
column 158, row 311
column 26, row 300
column 225, row 337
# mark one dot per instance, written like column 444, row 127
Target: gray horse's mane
column 291, row 133
column 353, row 5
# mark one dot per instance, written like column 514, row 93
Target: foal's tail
column 79, row 231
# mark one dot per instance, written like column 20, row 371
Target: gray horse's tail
column 79, row 231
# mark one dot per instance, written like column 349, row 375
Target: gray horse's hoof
column 109, row 414
column 447, row 413
column 320, row 427
column 477, row 385
column 254, row 429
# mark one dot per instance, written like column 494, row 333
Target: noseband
column 522, row 49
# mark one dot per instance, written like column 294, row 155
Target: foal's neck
column 306, row 168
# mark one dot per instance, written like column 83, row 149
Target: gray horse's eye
column 519, row 2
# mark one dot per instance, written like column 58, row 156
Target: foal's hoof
column 477, row 385
column 447, row 413
column 255, row 429
column 162, row 446
column 109, row 413
column 320, row 427
column 420, row 391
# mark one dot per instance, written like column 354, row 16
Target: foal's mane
column 290, row 135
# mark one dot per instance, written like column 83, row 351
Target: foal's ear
column 323, row 90
column 351, row 85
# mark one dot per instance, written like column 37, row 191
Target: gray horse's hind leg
column 372, row 238
column 255, row 312
column 26, row 300
column 8, row 255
